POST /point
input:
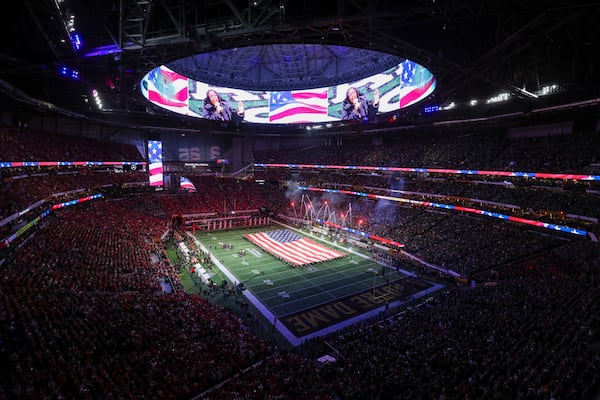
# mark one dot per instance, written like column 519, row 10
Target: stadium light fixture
column 498, row 98
column 450, row 106
column 526, row 92
column 97, row 99
column 548, row 89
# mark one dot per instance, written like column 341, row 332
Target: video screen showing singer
column 216, row 108
column 357, row 107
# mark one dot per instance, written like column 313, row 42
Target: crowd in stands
column 28, row 189
column 462, row 243
column 539, row 194
column 84, row 314
column 222, row 196
column 118, row 252
column 35, row 190
column 523, row 338
column 516, row 196
column 47, row 187
column 21, row 187
column 493, row 151
column 26, row 144
column 530, row 333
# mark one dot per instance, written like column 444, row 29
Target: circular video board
column 291, row 99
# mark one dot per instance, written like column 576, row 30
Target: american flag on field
column 298, row 106
column 155, row 160
column 186, row 184
column 292, row 247
column 416, row 83
column 167, row 88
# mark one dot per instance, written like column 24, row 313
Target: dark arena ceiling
column 475, row 49
column 284, row 66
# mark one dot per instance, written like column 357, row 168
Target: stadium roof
column 284, row 66
column 476, row 50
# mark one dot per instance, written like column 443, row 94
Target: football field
column 314, row 299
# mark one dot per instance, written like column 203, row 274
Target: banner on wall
column 155, row 161
column 186, row 184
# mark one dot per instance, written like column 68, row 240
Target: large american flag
column 416, row 83
column 167, row 88
column 292, row 247
column 298, row 106
column 156, row 162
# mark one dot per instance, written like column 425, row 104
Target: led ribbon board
column 16, row 164
column 562, row 228
column 541, row 175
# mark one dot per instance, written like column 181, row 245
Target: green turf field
column 308, row 298
column 285, row 290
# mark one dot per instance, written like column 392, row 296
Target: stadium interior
column 444, row 248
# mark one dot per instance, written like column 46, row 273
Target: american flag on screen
column 155, row 160
column 416, row 83
column 298, row 106
column 186, row 184
column 291, row 247
column 167, row 88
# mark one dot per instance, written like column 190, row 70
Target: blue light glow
column 76, row 40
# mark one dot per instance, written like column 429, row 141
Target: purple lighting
column 76, row 40
column 103, row 51
column 67, row 72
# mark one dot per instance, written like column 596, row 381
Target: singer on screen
column 216, row 108
column 357, row 107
